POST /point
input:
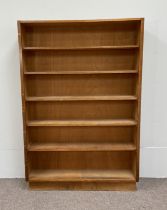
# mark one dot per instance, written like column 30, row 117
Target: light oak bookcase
column 81, row 96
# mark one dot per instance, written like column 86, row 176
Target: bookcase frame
column 81, row 101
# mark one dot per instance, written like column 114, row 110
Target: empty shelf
column 81, row 146
column 83, row 48
column 82, row 98
column 120, row 122
column 80, row 175
column 80, row 72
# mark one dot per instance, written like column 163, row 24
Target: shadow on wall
column 151, row 87
column 11, row 133
column 153, row 113
column 12, row 99
column 148, row 81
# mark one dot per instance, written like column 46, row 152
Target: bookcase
column 81, row 96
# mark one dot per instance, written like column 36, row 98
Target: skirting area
column 151, row 195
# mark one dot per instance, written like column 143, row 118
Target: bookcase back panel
column 74, row 35
column 81, row 160
column 81, row 94
column 57, row 85
column 81, row 60
column 81, row 110
column 81, row 134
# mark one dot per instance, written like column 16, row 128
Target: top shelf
column 82, row 48
column 79, row 21
column 80, row 35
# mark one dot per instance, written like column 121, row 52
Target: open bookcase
column 81, row 95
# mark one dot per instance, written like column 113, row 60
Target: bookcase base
column 104, row 186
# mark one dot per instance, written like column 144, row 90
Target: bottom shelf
column 80, row 175
column 115, row 180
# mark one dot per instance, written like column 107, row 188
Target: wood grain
column 81, row 110
column 80, row 60
column 110, row 185
column 81, row 98
column 82, row 72
column 79, row 34
column 82, row 160
column 83, row 85
column 82, row 146
column 79, row 134
column 138, row 91
column 82, row 48
column 23, row 95
column 121, row 122
column 80, row 175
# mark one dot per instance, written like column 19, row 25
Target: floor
column 151, row 195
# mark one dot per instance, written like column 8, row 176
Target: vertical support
column 23, row 99
column 139, row 84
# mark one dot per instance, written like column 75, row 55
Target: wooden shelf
column 80, row 175
column 53, row 22
column 81, row 72
column 121, row 122
column 81, row 93
column 82, row 146
column 82, row 98
column 83, row 48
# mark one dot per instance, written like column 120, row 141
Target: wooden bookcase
column 81, row 95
